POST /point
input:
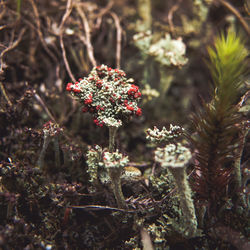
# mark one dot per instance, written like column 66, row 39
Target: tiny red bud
column 77, row 90
column 130, row 108
column 139, row 112
column 69, row 86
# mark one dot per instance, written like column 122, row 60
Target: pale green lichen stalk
column 51, row 131
column 94, row 158
column 175, row 157
column 106, row 167
column 115, row 163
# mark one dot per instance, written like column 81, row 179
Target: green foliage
column 227, row 67
column 217, row 139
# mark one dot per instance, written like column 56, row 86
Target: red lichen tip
column 69, row 86
column 139, row 112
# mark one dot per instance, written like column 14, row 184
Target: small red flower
column 69, row 86
column 130, row 108
column 77, row 90
column 139, row 112
column 136, row 95
column 88, row 101
column 100, row 124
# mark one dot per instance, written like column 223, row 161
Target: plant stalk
column 112, row 133
column 186, row 201
column 115, row 176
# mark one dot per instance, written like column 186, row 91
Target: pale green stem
column 115, row 176
column 165, row 81
column 144, row 11
column 112, row 133
column 114, row 173
column 237, row 171
column 186, row 201
column 46, row 141
column 57, row 152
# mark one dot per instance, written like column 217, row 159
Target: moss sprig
column 217, row 125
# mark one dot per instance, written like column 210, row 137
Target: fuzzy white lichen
column 169, row 51
column 157, row 136
column 173, row 155
column 166, row 51
column 115, row 160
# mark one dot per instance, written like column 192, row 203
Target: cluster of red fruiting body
column 106, row 93
column 52, row 128
column 133, row 91
column 73, row 87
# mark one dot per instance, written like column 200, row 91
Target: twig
column 118, row 39
column 170, row 15
column 103, row 11
column 99, row 207
column 10, row 47
column 65, row 16
column 232, row 9
column 5, row 95
column 39, row 99
column 40, row 32
column 87, row 39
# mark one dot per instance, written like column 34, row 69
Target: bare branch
column 103, row 11
column 65, row 16
column 118, row 39
column 10, row 47
column 38, row 24
column 170, row 16
column 41, row 102
column 237, row 14
column 87, row 40
column 4, row 94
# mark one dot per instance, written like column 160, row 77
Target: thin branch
column 170, row 16
column 5, row 95
column 87, row 40
column 38, row 24
column 99, row 207
column 232, row 9
column 10, row 47
column 103, row 11
column 118, row 39
column 65, row 16
column 41, row 102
